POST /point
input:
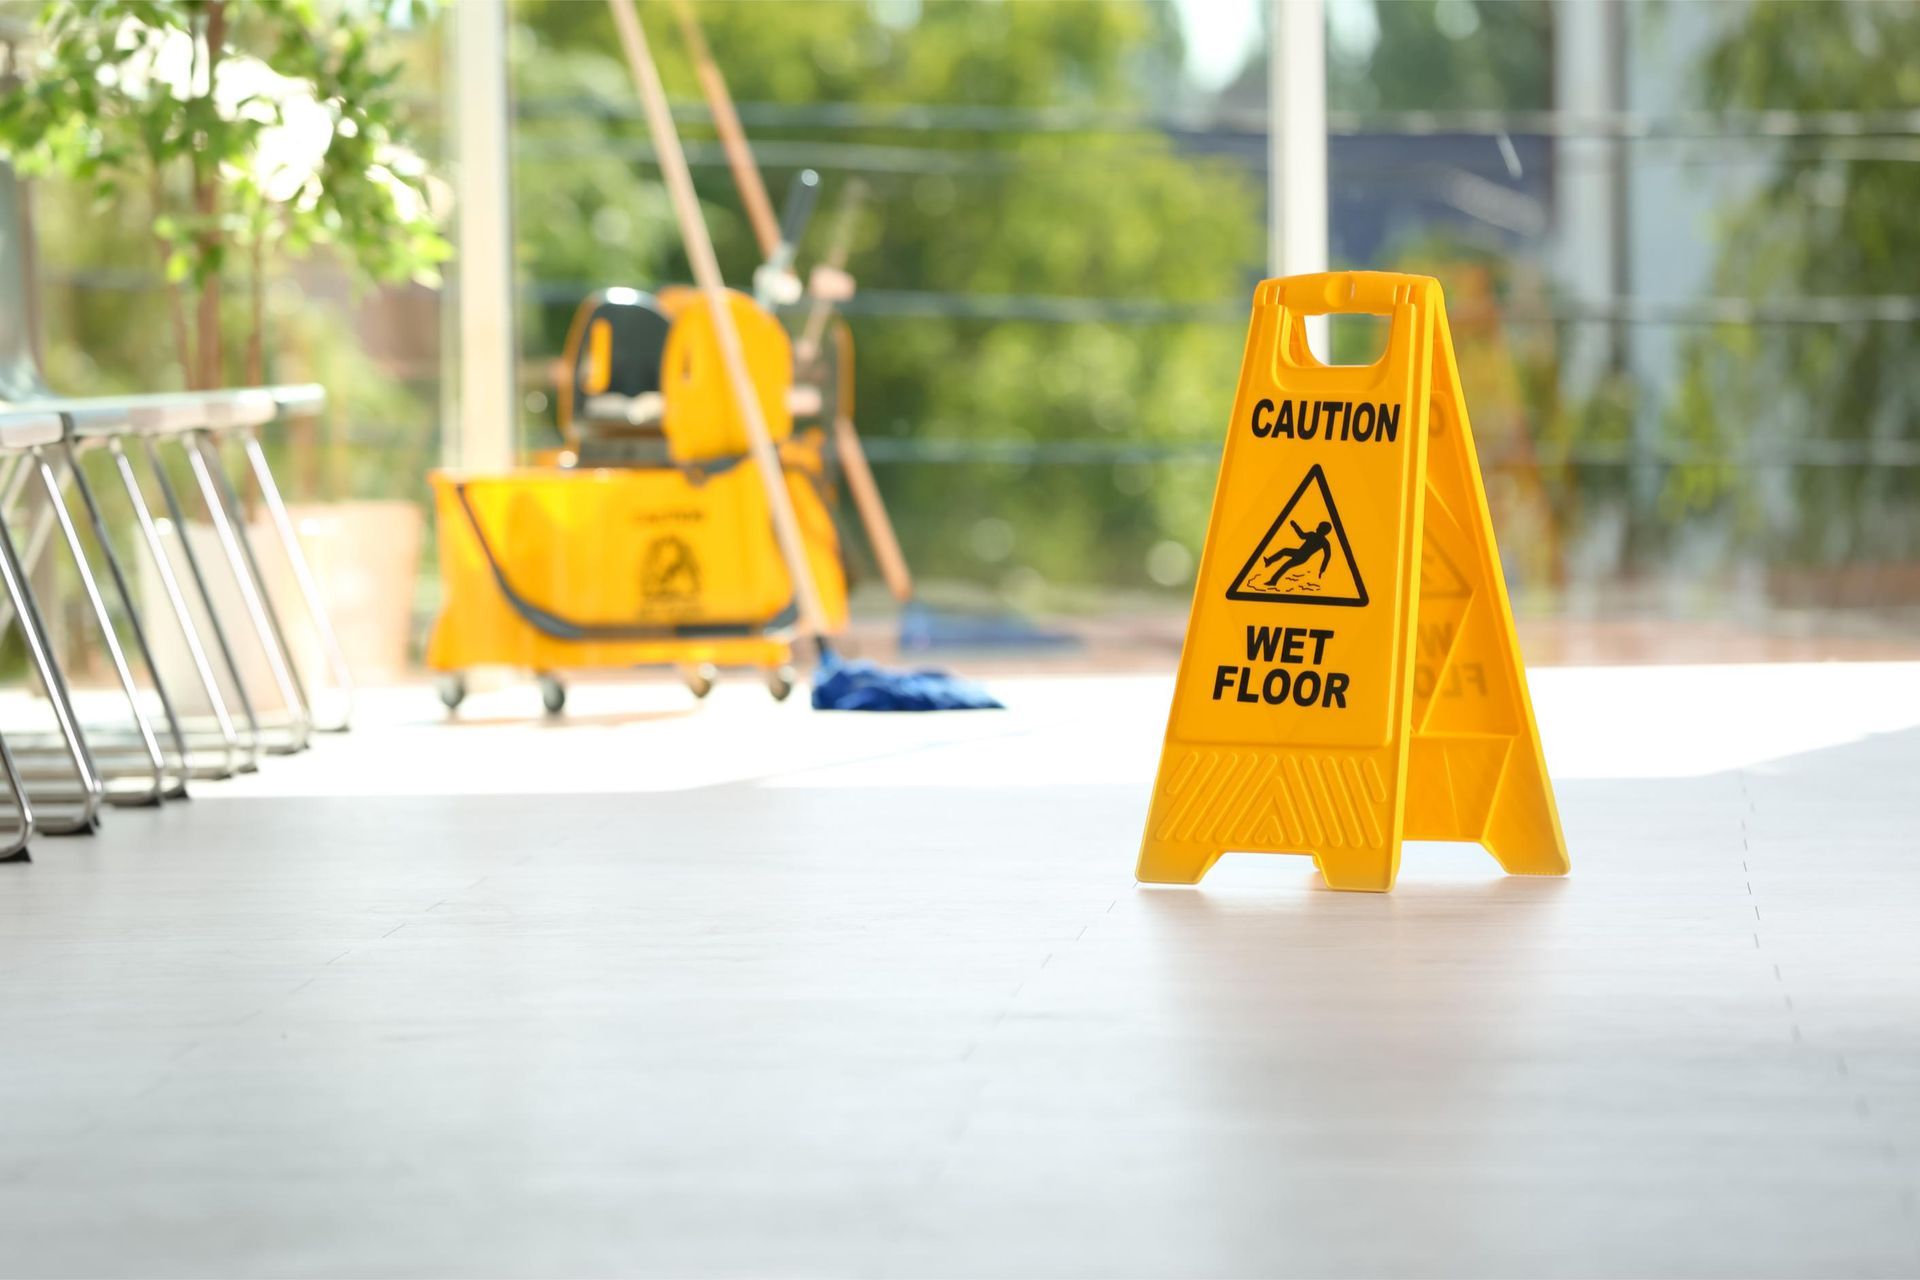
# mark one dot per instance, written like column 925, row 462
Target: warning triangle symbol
column 1304, row 557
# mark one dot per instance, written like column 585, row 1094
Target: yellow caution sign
column 1350, row 677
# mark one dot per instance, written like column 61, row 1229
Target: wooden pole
column 866, row 494
column 706, row 274
column 726, row 121
column 753, row 194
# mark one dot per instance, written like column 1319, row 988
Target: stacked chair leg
column 162, row 510
column 61, row 785
column 216, row 719
column 132, row 764
column 294, row 401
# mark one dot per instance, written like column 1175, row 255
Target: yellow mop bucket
column 666, row 559
column 565, row 570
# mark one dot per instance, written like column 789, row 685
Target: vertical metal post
column 1586, row 200
column 480, row 430
column 1586, row 239
column 1590, row 211
column 1297, row 145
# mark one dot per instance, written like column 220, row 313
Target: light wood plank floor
column 751, row 990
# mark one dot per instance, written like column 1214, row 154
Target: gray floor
column 748, row 990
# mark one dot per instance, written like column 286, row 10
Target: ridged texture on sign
column 1279, row 800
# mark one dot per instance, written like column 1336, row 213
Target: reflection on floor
column 748, row 989
column 1113, row 637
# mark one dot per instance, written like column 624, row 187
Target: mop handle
column 706, row 273
column 726, row 122
column 838, row 249
column 866, row 494
column 778, row 238
column 801, row 195
column 777, row 249
column 853, row 458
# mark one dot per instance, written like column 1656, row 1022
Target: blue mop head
column 859, row 685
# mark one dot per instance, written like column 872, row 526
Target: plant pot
column 364, row 556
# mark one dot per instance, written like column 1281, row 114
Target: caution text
column 1326, row 420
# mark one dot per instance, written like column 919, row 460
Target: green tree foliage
column 975, row 212
column 1448, row 55
column 1835, row 222
column 242, row 130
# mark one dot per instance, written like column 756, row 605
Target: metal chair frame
column 296, row 400
column 61, row 813
column 43, row 440
column 193, row 422
column 225, row 747
column 139, row 772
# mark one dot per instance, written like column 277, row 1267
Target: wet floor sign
column 1350, row 677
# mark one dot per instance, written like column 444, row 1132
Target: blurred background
column 1678, row 240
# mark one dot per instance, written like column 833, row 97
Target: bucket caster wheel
column 553, row 694
column 452, row 689
column 699, row 680
column 780, row 682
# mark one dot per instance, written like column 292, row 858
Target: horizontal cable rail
column 1806, row 453
column 960, row 451
column 1057, row 309
column 862, row 157
column 1728, row 125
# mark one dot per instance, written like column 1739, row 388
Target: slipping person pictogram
column 1314, row 565
column 1311, row 544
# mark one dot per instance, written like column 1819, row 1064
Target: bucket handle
column 1284, row 303
column 560, row 627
